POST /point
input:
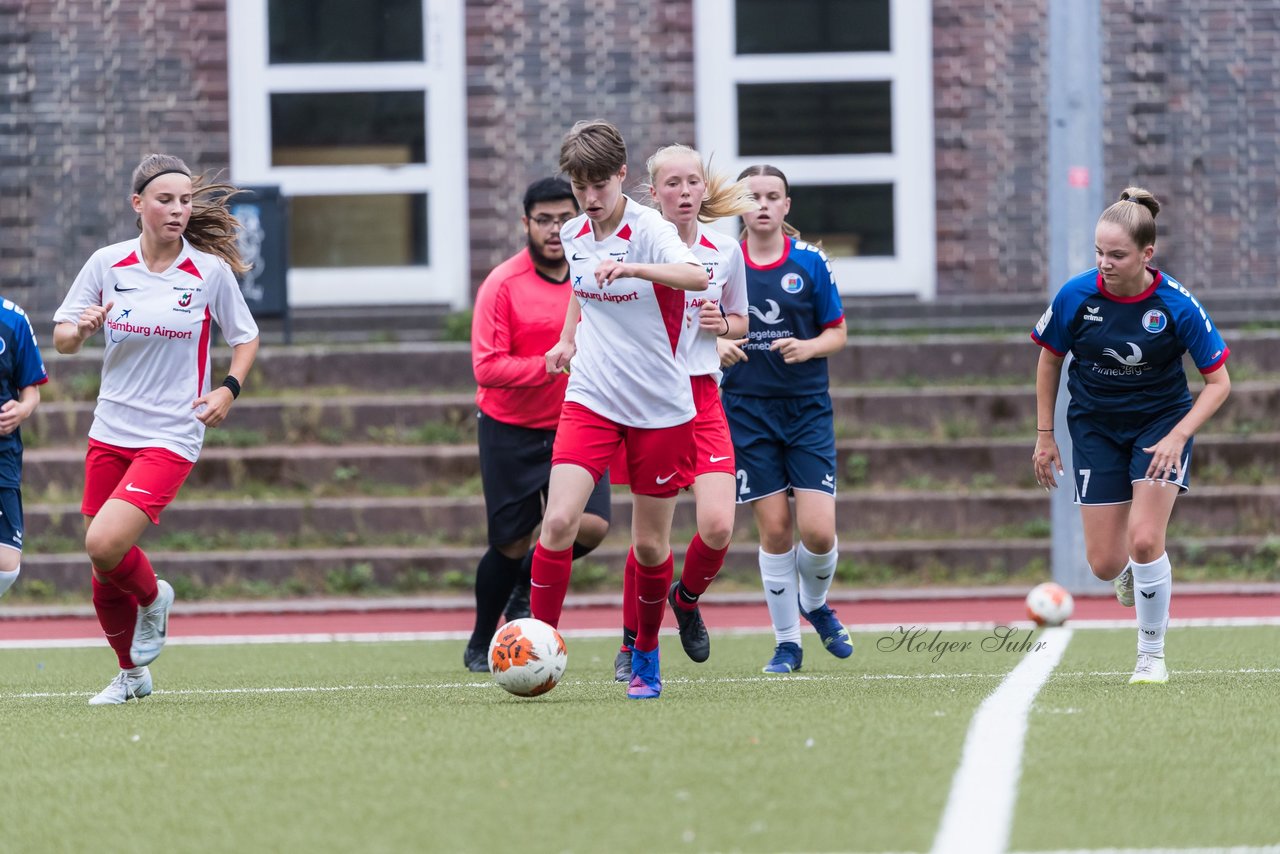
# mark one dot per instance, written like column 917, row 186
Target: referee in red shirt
column 519, row 313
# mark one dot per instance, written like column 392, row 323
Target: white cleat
column 152, row 626
column 1149, row 671
column 124, row 688
column 1124, row 587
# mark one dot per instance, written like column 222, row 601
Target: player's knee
column 104, row 551
column 716, row 533
column 818, row 542
column 1107, row 567
column 559, row 529
column 1146, row 545
column 10, row 559
column 592, row 531
column 651, row 552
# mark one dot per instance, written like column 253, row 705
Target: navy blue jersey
column 794, row 297
column 20, row 366
column 1128, row 350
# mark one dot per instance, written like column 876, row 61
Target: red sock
column 701, row 566
column 652, row 584
column 134, row 575
column 549, row 583
column 117, row 614
column 629, row 598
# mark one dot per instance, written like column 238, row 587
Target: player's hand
column 731, row 352
column 559, row 357
column 711, row 320
column 610, row 270
column 793, row 350
column 212, row 408
column 1047, row 461
column 1166, row 459
column 92, row 319
column 12, row 414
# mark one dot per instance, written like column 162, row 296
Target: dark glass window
column 814, row 118
column 382, row 230
column 344, row 128
column 345, row 31
column 811, row 26
column 850, row 220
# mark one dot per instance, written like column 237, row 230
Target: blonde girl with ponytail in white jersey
column 688, row 195
column 155, row 298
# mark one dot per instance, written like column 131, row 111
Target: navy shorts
column 515, row 469
column 1107, row 456
column 782, row 443
column 11, row 517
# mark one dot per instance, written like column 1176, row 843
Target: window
column 355, row 108
column 837, row 94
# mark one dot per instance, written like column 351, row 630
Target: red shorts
column 712, row 444
column 148, row 478
column 660, row 461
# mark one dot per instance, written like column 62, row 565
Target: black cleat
column 693, row 632
column 518, row 603
column 622, row 666
column 476, row 660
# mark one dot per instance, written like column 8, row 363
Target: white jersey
column 627, row 368
column 157, row 358
column 721, row 256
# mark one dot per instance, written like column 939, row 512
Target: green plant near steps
column 456, row 326
column 358, row 578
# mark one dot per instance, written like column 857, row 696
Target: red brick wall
column 534, row 67
column 86, row 89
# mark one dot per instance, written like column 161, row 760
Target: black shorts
column 11, row 517
column 515, row 468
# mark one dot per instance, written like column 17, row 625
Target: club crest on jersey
column 1154, row 321
column 185, row 299
column 792, row 283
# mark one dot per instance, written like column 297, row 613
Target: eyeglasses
column 545, row 222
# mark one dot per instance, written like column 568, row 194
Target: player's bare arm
column 1166, row 454
column 681, row 276
column 15, row 411
column 559, row 356
column 1046, row 460
column 796, row 350
column 69, row 337
column 217, row 403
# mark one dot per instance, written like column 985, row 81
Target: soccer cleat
column 646, row 680
column 476, row 660
column 835, row 637
column 152, row 626
column 622, row 666
column 1149, row 671
column 786, row 658
column 1124, row 587
column 518, row 602
column 124, row 688
column 693, row 632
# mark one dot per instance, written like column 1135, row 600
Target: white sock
column 7, row 579
column 816, row 573
column 778, row 572
column 1152, row 589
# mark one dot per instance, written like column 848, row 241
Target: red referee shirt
column 517, row 319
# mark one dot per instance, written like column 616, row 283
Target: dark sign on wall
column 264, row 244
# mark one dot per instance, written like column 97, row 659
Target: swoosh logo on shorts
column 129, row 487
column 716, row 459
column 663, row 480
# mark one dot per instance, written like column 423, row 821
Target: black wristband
column 233, row 384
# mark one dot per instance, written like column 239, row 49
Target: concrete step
column 428, row 366
column 859, row 516
column 945, row 412
column 348, row 470
column 453, row 567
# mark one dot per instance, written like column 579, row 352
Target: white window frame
column 252, row 81
column 908, row 66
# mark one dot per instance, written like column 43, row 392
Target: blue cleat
column 835, row 637
column 646, row 681
column 786, row 658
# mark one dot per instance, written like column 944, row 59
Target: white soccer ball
column 527, row 657
column 1049, row 604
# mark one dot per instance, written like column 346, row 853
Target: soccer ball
column 527, row 657
column 1049, row 604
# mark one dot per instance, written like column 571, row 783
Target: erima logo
column 1133, row 360
column 1146, row 595
column 778, row 592
column 774, row 315
column 1093, row 313
column 823, row 577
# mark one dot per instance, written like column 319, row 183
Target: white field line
column 979, row 811
column 390, row 637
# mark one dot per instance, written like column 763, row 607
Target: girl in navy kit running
column 155, row 298
column 778, row 404
column 1131, row 415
